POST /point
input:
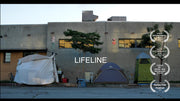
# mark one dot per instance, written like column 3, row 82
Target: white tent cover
column 36, row 70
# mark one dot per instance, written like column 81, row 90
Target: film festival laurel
column 161, row 69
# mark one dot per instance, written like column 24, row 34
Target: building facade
column 17, row 41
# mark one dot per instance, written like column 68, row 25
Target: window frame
column 64, row 44
column 5, row 57
column 90, row 45
column 178, row 42
column 130, row 39
column 26, row 53
column 121, row 43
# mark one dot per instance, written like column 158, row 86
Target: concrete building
column 89, row 16
column 117, row 18
column 19, row 40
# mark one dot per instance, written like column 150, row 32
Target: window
column 87, row 45
column 63, row 43
column 179, row 43
column 29, row 53
column 131, row 43
column 128, row 43
column 7, row 57
column 89, row 76
column 121, row 43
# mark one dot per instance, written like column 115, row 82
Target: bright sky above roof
column 44, row 13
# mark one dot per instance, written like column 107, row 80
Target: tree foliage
column 146, row 37
column 86, row 42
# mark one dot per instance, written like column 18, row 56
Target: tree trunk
column 161, row 59
column 160, row 75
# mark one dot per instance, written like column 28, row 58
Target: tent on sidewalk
column 36, row 70
column 111, row 73
column 142, row 71
column 143, row 56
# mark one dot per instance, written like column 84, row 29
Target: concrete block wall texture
column 124, row 57
column 17, row 39
column 117, row 18
column 25, row 37
column 108, row 30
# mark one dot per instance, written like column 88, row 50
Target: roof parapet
column 117, row 18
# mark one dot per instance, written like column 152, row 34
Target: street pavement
column 41, row 92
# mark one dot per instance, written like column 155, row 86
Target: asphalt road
column 15, row 92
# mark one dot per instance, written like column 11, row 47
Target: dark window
column 28, row 53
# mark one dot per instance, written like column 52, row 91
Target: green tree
column 146, row 40
column 86, row 42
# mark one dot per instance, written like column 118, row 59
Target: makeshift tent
column 142, row 69
column 110, row 73
column 143, row 56
column 36, row 70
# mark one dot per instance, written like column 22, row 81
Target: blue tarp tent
column 110, row 73
column 143, row 56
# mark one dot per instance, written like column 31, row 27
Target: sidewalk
column 89, row 85
column 46, row 92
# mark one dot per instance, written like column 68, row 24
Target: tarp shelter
column 36, row 70
column 143, row 56
column 110, row 73
column 142, row 69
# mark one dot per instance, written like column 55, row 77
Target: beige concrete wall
column 16, row 37
column 124, row 57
